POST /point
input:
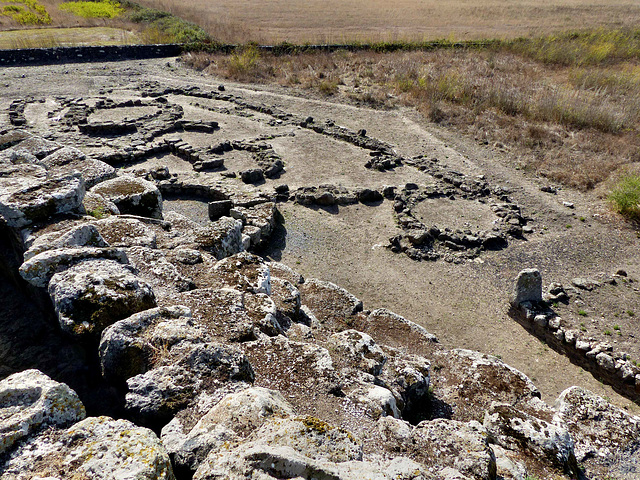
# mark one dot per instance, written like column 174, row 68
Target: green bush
column 32, row 13
column 625, row 197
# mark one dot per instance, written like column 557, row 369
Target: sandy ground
column 465, row 304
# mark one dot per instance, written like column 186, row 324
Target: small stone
column 528, row 287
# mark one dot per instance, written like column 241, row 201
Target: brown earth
column 465, row 304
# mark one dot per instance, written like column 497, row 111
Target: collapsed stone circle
column 230, row 366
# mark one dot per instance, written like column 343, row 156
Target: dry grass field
column 380, row 20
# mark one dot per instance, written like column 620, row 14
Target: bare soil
column 465, row 304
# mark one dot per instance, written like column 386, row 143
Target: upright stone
column 528, row 287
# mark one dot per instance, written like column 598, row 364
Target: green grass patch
column 88, row 9
column 162, row 27
column 25, row 12
column 625, row 197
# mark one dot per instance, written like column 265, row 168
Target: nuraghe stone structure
column 229, row 366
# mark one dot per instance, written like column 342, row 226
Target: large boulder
column 38, row 201
column 332, row 305
column 132, row 195
column 83, row 235
column 515, row 429
column 461, row 446
column 222, row 238
column 99, row 448
column 603, row 434
column 39, row 269
column 179, row 375
column 126, row 232
column 130, row 346
column 30, row 401
column 67, row 160
column 232, row 419
column 90, row 296
column 528, row 287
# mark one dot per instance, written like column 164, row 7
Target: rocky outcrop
column 132, row 195
column 30, row 401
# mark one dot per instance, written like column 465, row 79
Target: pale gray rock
column 126, row 232
column 39, row 269
column 231, row 315
column 234, row 418
column 154, row 268
column 90, row 296
column 286, row 297
column 185, row 371
column 515, row 429
column 245, row 272
column 129, row 346
column 23, row 206
column 67, row 160
column 466, row 446
column 132, row 195
column 99, row 448
column 599, row 429
column 286, row 447
column 99, row 207
column 381, row 318
column 376, row 400
column 360, row 350
column 222, row 238
column 408, row 377
column 528, row 287
column 30, row 401
column 84, row 235
column 476, row 380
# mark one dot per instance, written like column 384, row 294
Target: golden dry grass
column 75, row 36
column 380, row 20
column 576, row 125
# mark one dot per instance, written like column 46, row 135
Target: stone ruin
column 228, row 366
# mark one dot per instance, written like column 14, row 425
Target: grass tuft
column 625, row 197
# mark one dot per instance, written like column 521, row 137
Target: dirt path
column 464, row 304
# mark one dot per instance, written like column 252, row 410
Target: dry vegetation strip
column 337, row 21
column 568, row 107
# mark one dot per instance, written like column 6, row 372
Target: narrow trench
column 31, row 338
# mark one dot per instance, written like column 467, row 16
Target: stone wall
column 33, row 56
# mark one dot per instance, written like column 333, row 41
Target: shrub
column 32, row 13
column 88, row 9
column 625, row 197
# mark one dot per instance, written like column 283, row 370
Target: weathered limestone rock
column 67, row 160
column 303, row 447
column 458, row 445
column 128, row 347
column 332, row 305
column 222, row 238
column 186, row 370
column 40, row 201
column 90, row 296
column 232, row 419
column 31, row 401
column 163, row 276
column 287, row 299
column 475, row 380
column 408, row 377
column 126, row 232
column 598, row 428
column 100, row 448
column 245, row 272
column 360, row 350
column 84, row 235
column 514, row 429
column 231, row 315
column 99, row 207
column 528, row 287
column 39, row 269
column 132, row 195
column 376, row 400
